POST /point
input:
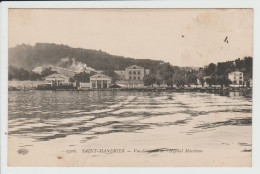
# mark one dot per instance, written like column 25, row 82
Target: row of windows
column 134, row 72
column 134, row 78
column 239, row 77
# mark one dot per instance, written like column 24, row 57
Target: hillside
column 44, row 54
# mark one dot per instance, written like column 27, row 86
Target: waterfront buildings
column 236, row 77
column 100, row 81
column 56, row 80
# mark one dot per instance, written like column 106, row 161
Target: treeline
column 217, row 74
column 212, row 74
column 15, row 73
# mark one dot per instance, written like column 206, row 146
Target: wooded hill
column 40, row 54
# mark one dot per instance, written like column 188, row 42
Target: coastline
column 244, row 91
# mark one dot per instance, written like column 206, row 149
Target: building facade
column 100, row 81
column 56, row 80
column 132, row 76
column 134, row 72
column 236, row 77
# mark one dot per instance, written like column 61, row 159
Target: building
column 27, row 84
column 100, row 81
column 147, row 71
column 99, row 71
column 83, row 85
column 64, row 72
column 130, row 83
column 56, row 80
column 236, row 77
column 205, row 80
column 134, row 72
column 132, row 76
column 121, row 74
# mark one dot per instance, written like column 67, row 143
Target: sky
column 182, row 37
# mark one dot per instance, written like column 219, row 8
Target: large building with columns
column 100, row 81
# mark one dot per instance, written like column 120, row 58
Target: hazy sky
column 183, row 37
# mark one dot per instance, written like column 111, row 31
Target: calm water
column 48, row 115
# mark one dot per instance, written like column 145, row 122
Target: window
column 130, row 72
column 134, row 67
column 240, row 77
column 134, row 73
column 138, row 77
column 134, row 78
column 138, row 72
column 130, row 77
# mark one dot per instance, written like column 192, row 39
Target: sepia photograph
column 130, row 87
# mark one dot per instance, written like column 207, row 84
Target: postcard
column 130, row 87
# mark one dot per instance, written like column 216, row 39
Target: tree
column 83, row 77
column 15, row 73
column 210, row 81
column 191, row 78
column 210, row 69
column 179, row 79
column 169, row 83
column 47, row 71
column 149, row 80
column 111, row 73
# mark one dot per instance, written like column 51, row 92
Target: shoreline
column 244, row 91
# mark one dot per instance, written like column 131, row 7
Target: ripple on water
column 45, row 115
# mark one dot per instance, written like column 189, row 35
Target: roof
column 115, row 86
column 234, row 72
column 56, row 75
column 100, row 76
column 134, row 67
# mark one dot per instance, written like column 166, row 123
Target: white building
column 236, row 77
column 130, row 84
column 100, row 81
column 134, row 72
column 56, row 79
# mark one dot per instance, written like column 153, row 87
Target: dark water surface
column 48, row 115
